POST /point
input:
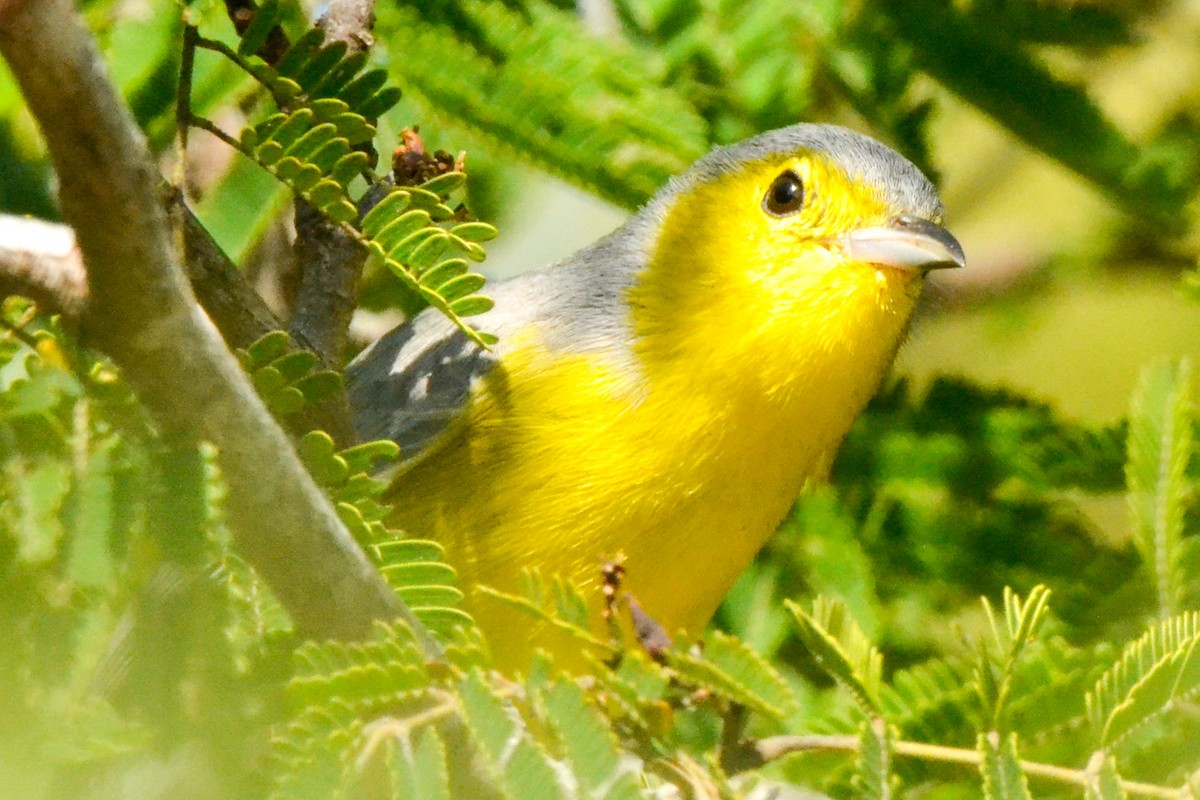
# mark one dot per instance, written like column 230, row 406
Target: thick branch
column 142, row 313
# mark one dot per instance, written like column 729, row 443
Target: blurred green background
column 1066, row 140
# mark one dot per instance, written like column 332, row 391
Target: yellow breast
column 684, row 468
column 750, row 353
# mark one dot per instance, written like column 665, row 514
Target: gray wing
column 415, row 382
column 411, row 384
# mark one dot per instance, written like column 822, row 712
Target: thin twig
column 205, row 125
column 776, row 747
column 183, row 101
column 242, row 64
column 16, row 330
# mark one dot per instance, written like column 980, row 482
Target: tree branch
column 773, row 748
column 142, row 313
column 329, row 260
column 40, row 260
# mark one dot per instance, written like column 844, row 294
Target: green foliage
column 994, row 670
column 286, row 380
column 320, row 141
column 979, row 54
column 1103, row 781
column 530, row 80
column 873, row 780
column 143, row 653
column 109, row 538
column 1160, row 450
column 729, row 668
column 398, row 234
column 588, row 744
column 286, row 377
column 1154, row 674
column 840, row 647
column 1003, row 778
column 314, row 158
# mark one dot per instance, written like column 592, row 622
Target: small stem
column 183, row 118
column 183, row 101
column 242, row 64
column 205, row 125
column 775, row 747
column 16, row 330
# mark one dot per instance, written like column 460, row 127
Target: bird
column 662, row 397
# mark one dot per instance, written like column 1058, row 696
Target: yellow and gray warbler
column 664, row 395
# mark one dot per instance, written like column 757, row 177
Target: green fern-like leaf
column 366, row 674
column 266, row 17
column 1160, row 448
column 313, row 70
column 518, row 764
column 994, row 672
column 286, row 378
column 635, row 693
column 933, row 701
column 1047, row 704
column 313, row 754
column 873, row 779
column 1152, row 676
column 589, row 744
column 419, row 769
column 315, row 146
column 311, row 157
column 427, row 585
column 400, row 234
column 558, row 603
column 1003, row 777
column 731, row 669
column 1103, row 782
column 841, row 648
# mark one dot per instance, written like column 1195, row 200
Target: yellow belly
column 565, row 462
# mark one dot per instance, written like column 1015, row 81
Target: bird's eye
column 786, row 195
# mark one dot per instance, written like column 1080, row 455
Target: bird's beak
column 904, row 242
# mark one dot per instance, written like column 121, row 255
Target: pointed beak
column 905, row 242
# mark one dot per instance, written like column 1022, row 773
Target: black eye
column 786, row 195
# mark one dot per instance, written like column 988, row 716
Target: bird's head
column 810, row 239
column 808, row 226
